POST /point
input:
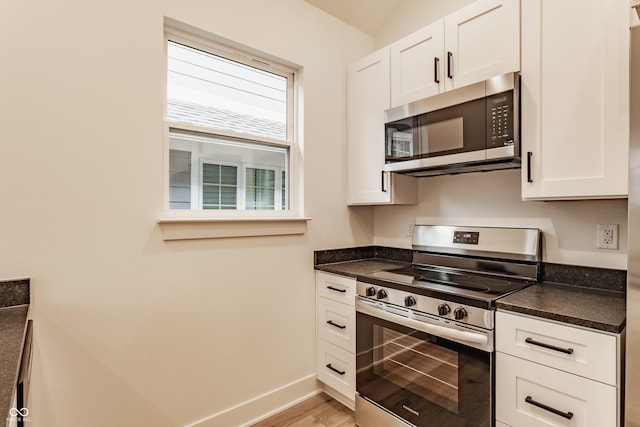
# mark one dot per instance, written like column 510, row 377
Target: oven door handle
column 474, row 339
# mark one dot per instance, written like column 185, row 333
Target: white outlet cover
column 607, row 236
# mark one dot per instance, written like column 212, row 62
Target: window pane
column 211, row 91
column 260, row 188
column 221, row 173
column 179, row 179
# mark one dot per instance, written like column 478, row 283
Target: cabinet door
column 417, row 65
column 336, row 367
column 369, row 92
column 528, row 393
column 482, row 40
column 575, row 99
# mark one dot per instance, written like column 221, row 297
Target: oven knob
column 459, row 313
column 371, row 291
column 444, row 309
column 410, row 301
column 382, row 294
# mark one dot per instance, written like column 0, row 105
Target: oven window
column 420, row 366
column 422, row 378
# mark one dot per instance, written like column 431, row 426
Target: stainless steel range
column 424, row 334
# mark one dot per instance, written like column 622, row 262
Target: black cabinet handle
column 436, row 62
column 449, row 70
column 384, row 189
column 336, row 325
column 549, row 346
column 529, row 156
column 336, row 289
column 567, row 415
column 335, row 370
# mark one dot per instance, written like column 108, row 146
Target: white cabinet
column 368, row 183
column 575, row 99
column 473, row 44
column 417, row 65
column 335, row 336
column 551, row 374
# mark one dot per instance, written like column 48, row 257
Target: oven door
column 418, row 376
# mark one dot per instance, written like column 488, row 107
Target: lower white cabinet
column 335, row 336
column 552, row 374
column 530, row 394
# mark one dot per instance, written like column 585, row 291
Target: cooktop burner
column 444, row 284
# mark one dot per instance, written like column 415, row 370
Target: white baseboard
column 264, row 406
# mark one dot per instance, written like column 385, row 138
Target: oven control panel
column 442, row 309
column 466, row 237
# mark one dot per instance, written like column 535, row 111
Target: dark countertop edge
column 9, row 398
column 616, row 328
column 341, row 268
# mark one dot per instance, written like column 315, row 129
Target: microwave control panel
column 500, row 120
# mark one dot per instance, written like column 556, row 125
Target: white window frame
column 198, row 39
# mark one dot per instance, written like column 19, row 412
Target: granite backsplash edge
column 575, row 275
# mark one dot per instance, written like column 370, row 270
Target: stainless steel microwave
column 473, row 128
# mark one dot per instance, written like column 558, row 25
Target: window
column 230, row 130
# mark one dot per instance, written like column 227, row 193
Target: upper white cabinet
column 473, row 44
column 369, row 97
column 575, row 99
column 417, row 65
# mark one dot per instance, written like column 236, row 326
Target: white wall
column 130, row 329
column 493, row 199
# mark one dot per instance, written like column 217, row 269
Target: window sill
column 215, row 228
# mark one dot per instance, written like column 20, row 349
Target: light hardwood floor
column 317, row 411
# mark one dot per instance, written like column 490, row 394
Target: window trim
column 169, row 218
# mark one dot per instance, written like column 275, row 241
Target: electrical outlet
column 608, row 236
column 410, row 226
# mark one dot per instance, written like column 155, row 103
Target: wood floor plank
column 317, row 411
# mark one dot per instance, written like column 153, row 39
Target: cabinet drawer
column 337, row 288
column 336, row 368
column 336, row 323
column 527, row 394
column 586, row 353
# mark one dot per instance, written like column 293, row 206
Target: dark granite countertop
column 576, row 295
column 14, row 309
column 361, row 266
column 588, row 307
column 12, row 329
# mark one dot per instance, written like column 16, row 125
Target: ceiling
column 366, row 15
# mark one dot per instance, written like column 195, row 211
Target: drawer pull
column 549, row 346
column 567, row 415
column 343, row 372
column 335, row 324
column 336, row 289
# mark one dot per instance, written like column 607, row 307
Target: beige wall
column 130, row 329
column 413, row 15
column 493, row 199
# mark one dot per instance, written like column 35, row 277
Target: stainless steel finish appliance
column 424, row 333
column 473, row 128
column 632, row 389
